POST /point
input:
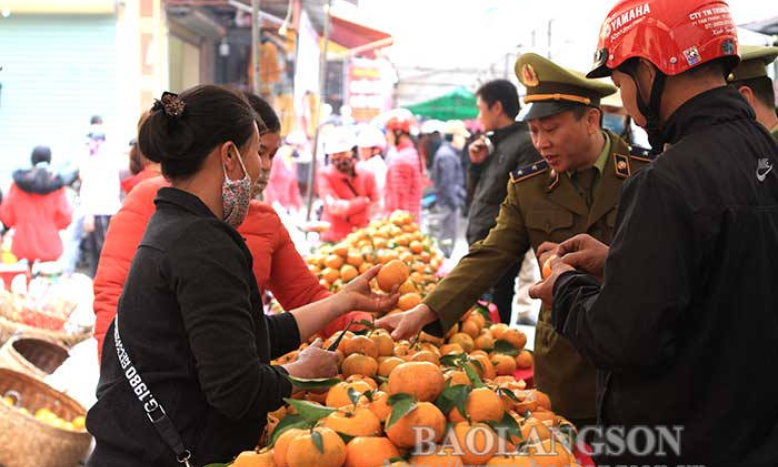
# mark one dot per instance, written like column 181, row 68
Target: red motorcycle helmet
column 399, row 124
column 674, row 35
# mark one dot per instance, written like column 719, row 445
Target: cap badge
column 529, row 75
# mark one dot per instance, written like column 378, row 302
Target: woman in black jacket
column 186, row 368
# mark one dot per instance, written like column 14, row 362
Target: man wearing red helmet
column 403, row 187
column 677, row 311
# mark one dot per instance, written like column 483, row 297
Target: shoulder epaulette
column 529, row 171
column 641, row 154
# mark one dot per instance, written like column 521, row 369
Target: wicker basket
column 28, row 442
column 32, row 356
column 10, row 328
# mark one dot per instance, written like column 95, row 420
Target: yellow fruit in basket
column 477, row 441
column 359, row 364
column 370, row 451
column 514, row 337
column 408, row 301
column 281, row 447
column 503, row 364
column 384, row 342
column 442, row 458
column 484, row 341
column 392, row 274
column 464, row 340
column 360, row 344
column 408, row 287
column 357, row 422
column 337, row 396
column 470, row 327
column 370, row 381
column 482, row 405
column 254, row 459
column 10, row 401
column 333, row 261
column 425, row 414
column 380, row 405
column 386, row 367
column 422, row 380
column 348, row 272
column 524, row 359
column 304, row 453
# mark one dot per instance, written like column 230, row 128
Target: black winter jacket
column 683, row 329
column 192, row 323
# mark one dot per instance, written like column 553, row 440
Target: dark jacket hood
column 37, row 180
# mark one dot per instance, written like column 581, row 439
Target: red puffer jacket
column 37, row 208
column 404, row 187
column 348, row 201
column 277, row 265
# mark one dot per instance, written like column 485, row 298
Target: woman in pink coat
column 403, row 187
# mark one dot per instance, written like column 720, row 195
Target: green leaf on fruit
column 402, row 405
column 346, row 438
column 478, row 365
column 506, row 426
column 484, row 312
column 287, row 423
column 452, row 359
column 381, row 379
column 310, row 412
column 313, row 383
column 506, row 347
column 474, row 378
column 392, row 460
column 509, row 394
column 453, row 396
column 318, row 441
column 353, row 395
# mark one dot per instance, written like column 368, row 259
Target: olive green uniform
column 544, row 206
column 754, row 60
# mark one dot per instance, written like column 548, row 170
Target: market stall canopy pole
column 255, row 23
column 322, row 84
column 458, row 104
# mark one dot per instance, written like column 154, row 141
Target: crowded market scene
column 373, row 233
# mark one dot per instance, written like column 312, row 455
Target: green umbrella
column 458, row 104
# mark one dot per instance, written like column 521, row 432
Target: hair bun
column 170, row 104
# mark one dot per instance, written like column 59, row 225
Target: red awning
column 357, row 36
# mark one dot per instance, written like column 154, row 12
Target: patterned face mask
column 236, row 196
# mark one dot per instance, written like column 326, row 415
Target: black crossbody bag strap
column 148, row 402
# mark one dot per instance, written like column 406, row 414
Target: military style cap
column 753, row 62
column 552, row 89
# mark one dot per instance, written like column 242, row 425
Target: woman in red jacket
column 403, row 187
column 37, row 209
column 277, row 266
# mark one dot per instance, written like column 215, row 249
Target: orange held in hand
column 392, row 274
column 547, row 267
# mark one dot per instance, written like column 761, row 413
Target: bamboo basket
column 9, row 328
column 28, row 442
column 32, row 356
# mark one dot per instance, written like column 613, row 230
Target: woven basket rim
column 21, row 328
column 41, row 386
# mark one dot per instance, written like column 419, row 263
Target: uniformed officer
column 750, row 78
column 575, row 189
column 679, row 313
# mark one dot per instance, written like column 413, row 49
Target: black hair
column 136, row 159
column 762, row 87
column 266, row 113
column 96, row 120
column 40, row 154
column 579, row 111
column 212, row 115
column 504, row 92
